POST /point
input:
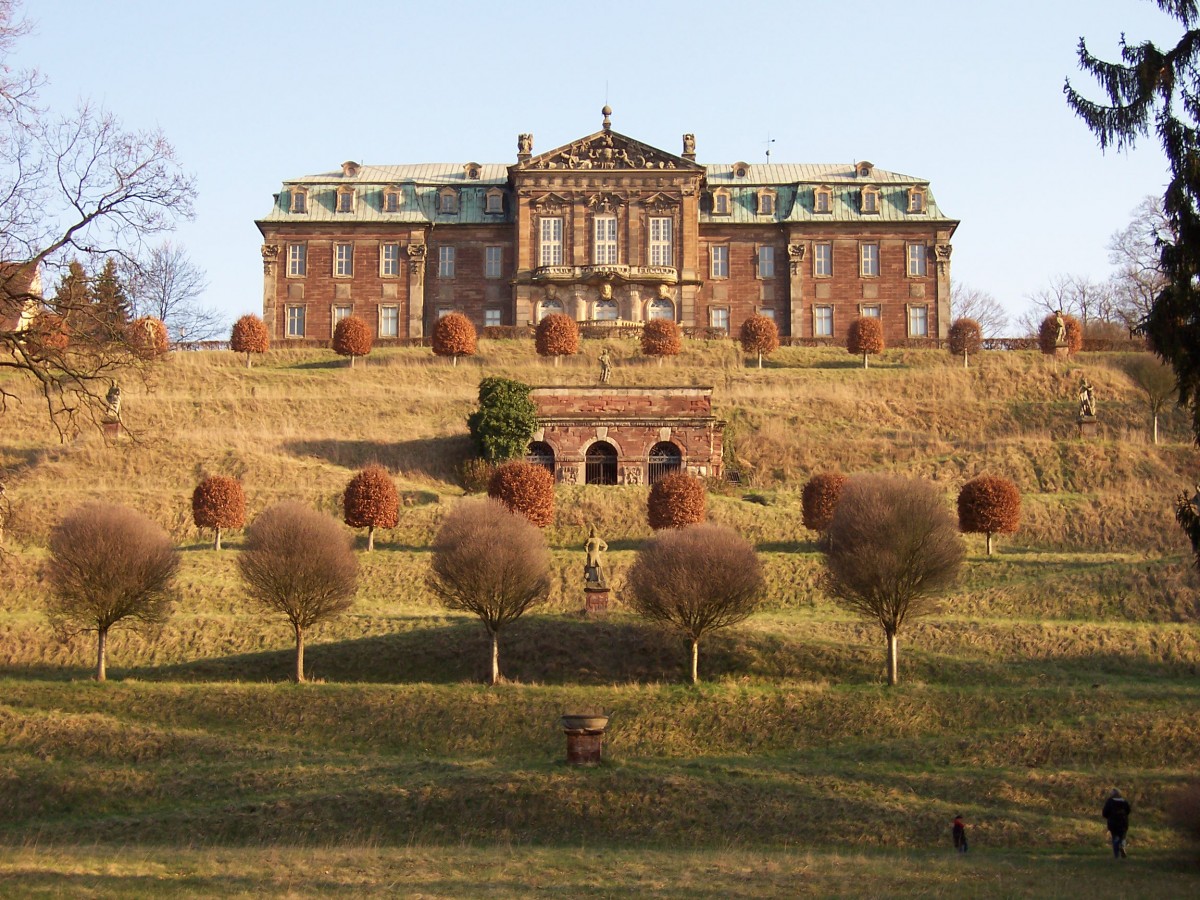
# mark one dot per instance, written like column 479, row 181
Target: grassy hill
column 1063, row 665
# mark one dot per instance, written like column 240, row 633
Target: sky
column 966, row 94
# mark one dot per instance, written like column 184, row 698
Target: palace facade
column 607, row 229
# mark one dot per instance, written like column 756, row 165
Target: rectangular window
column 343, row 260
column 768, row 313
column 916, row 260
column 766, row 262
column 868, row 260
column 719, row 261
column 823, row 260
column 299, row 201
column 605, row 245
column 870, row 312
column 822, row 321
column 491, row 318
column 389, row 321
column 493, row 262
column 552, row 242
column 341, row 312
column 718, row 318
column 721, row 204
column 345, row 201
column 494, row 203
column 821, row 202
column 389, row 260
column 445, row 262
column 918, row 321
column 295, row 321
column 391, row 202
column 297, row 260
column 661, row 252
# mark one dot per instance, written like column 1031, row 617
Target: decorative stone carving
column 416, row 257
column 689, row 146
column 568, row 475
column 270, row 256
column 631, row 475
column 942, row 253
column 661, row 203
column 550, row 204
column 605, row 202
column 795, row 257
column 525, row 143
column 606, row 151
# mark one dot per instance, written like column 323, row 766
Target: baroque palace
column 607, row 229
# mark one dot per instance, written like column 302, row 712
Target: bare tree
column 1157, row 381
column 108, row 564
column 166, row 284
column 490, row 562
column 698, row 579
column 75, row 185
column 893, row 546
column 1136, row 252
column 1091, row 302
column 968, row 302
column 298, row 562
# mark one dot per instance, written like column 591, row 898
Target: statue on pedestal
column 605, row 367
column 593, row 567
column 1060, row 337
column 1087, row 399
column 112, row 401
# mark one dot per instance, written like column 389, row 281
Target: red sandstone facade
column 607, row 229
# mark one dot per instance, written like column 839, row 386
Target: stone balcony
column 610, row 273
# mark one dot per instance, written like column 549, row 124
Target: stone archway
column 600, row 464
column 541, row 454
column 665, row 458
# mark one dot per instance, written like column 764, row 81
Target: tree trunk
column 370, row 538
column 455, row 360
column 299, row 655
column 695, row 661
column 247, row 359
column 865, row 364
column 989, row 542
column 660, row 361
column 496, row 655
column 760, row 359
column 892, row 677
column 966, row 360
column 557, row 359
column 217, row 538
column 352, row 360
column 1154, row 417
column 102, row 654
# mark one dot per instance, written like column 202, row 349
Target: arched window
column 600, row 464
column 549, row 306
column 660, row 308
column 605, row 311
column 665, row 458
column 541, row 454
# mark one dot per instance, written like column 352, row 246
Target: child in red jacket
column 960, row 834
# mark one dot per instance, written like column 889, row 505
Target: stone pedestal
column 1061, row 351
column 585, row 735
column 595, row 601
column 1087, row 426
column 112, row 430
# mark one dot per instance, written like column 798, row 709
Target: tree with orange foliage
column 989, row 505
column 352, row 337
column 966, row 339
column 454, row 336
column 819, row 499
column 249, row 335
column 676, row 500
column 1048, row 335
column 526, row 489
column 759, row 335
column 557, row 335
column 218, row 502
column 865, row 337
column 370, row 501
column 148, row 337
column 661, row 338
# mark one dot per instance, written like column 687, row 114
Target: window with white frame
column 870, row 200
column 604, row 247
column 718, row 261
column 767, row 312
column 822, row 321
column 345, row 200
column 868, row 260
column 343, row 260
column 391, row 201
column 823, row 259
column 661, row 308
column 918, row 321
column 721, row 203
column 389, row 260
column 492, row 318
column 341, row 312
column 661, row 252
column 916, row 200
column 546, row 307
column 872, row 311
column 445, row 262
column 916, row 260
column 493, row 262
column 718, row 318
column 299, row 200
column 766, row 262
column 297, row 260
column 494, row 204
column 389, row 321
column 448, row 201
column 444, row 311
column 605, row 311
column 552, row 241
column 766, row 203
column 295, row 321
column 822, row 200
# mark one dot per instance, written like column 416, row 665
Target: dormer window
column 448, row 201
column 299, row 200
column 916, row 199
column 494, row 202
column 345, row 200
column 864, row 169
column 741, row 169
column 721, row 204
column 823, row 200
column 391, row 200
column 472, row 171
column 870, row 200
column 350, row 169
column 766, row 203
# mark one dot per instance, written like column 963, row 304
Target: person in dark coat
column 1116, row 812
column 959, row 833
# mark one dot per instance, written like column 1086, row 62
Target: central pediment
column 607, row 150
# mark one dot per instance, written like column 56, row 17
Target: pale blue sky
column 967, row 94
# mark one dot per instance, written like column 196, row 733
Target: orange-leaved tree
column 219, row 503
column 865, row 337
column 557, row 335
column 989, row 505
column 148, row 337
column 676, row 500
column 526, row 489
column 966, row 339
column 249, row 335
column 352, row 337
column 370, row 501
column 661, row 338
column 454, row 336
column 1048, row 335
column 819, row 499
column 759, row 335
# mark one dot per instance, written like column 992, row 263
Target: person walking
column 959, row 833
column 1116, row 812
